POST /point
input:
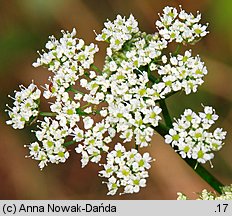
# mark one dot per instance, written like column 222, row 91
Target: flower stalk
column 48, row 114
column 165, row 112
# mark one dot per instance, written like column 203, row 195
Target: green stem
column 86, row 74
column 205, row 174
column 165, row 112
column 170, row 94
column 50, row 114
column 200, row 170
column 71, row 89
column 94, row 67
column 161, row 129
column 152, row 78
column 177, row 50
column 69, row 143
column 85, row 106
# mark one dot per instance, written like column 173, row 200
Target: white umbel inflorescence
column 125, row 169
column 131, row 110
column 182, row 72
column 127, row 93
column 68, row 51
column 26, row 103
column 67, row 58
column 180, row 26
column 50, row 148
column 118, row 32
column 191, row 136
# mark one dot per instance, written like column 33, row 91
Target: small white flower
column 78, row 134
column 103, row 113
column 84, row 158
column 78, row 96
column 88, row 122
column 209, row 116
column 92, row 74
column 127, row 135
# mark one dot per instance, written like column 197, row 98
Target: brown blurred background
column 24, row 28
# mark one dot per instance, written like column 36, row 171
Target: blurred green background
column 24, row 28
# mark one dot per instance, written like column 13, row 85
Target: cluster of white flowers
column 66, row 112
column 131, row 105
column 190, row 135
column 180, row 27
column 50, row 147
column 136, row 75
column 207, row 195
column 67, row 52
column 183, row 72
column 70, row 59
column 118, row 32
column 26, row 102
column 127, row 169
column 143, row 49
column 67, row 58
column 94, row 141
column 129, row 48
